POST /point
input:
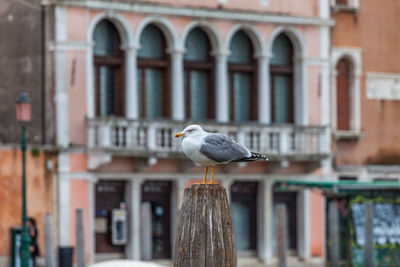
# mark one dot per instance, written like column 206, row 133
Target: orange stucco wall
column 39, row 193
column 375, row 30
column 79, row 200
column 317, row 214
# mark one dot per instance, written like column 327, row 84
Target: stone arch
column 166, row 27
column 213, row 34
column 252, row 32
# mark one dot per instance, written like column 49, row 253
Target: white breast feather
column 191, row 148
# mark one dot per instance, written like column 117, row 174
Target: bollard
column 204, row 235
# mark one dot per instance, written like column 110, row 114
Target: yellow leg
column 205, row 176
column 212, row 174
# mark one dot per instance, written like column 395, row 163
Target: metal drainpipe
column 43, row 70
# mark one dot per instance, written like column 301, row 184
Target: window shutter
column 198, row 107
column 196, row 46
column 107, row 87
column 281, row 99
column 151, row 43
column 281, row 51
column 342, row 95
column 104, row 39
column 153, row 93
column 241, row 99
column 240, row 47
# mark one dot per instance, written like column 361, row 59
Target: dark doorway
column 158, row 193
column 109, row 195
column 289, row 199
column 244, row 214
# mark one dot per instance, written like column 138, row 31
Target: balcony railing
column 155, row 137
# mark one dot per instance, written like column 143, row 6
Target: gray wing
column 221, row 148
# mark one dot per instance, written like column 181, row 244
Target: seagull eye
column 190, row 131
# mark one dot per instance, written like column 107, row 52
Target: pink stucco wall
column 317, row 223
column 78, row 21
column 312, row 36
column 314, row 95
column 292, row 7
column 76, row 82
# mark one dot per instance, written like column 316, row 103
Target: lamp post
column 24, row 114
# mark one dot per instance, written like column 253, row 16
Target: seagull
column 210, row 149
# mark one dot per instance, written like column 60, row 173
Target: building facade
column 364, row 107
column 130, row 74
column 23, row 69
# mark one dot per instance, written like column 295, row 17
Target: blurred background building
column 24, row 31
column 312, row 84
column 129, row 75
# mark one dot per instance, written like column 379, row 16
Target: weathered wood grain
column 204, row 235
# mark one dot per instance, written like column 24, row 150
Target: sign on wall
column 386, row 230
column 384, row 86
column 386, row 223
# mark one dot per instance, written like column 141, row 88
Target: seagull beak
column 179, row 135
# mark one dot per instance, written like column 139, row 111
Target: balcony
column 145, row 138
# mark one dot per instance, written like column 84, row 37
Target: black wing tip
column 258, row 157
column 254, row 157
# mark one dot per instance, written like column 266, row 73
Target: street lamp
column 24, row 114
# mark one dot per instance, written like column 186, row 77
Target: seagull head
column 191, row 130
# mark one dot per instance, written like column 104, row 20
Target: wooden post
column 80, row 239
column 204, row 235
column 369, row 235
column 334, row 234
column 49, row 242
column 281, row 234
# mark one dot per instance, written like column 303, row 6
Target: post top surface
column 205, row 187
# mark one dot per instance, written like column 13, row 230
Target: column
column 325, row 79
column 92, row 203
column 177, row 198
column 300, row 90
column 355, row 117
column 178, row 94
column 264, row 93
column 221, row 87
column 63, row 200
column 303, row 224
column 90, row 92
column 135, row 200
column 265, row 221
column 61, row 87
column 131, row 98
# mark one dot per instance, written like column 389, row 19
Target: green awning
column 337, row 186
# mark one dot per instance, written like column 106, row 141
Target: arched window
column 343, row 94
column 241, row 82
column 108, row 70
column 281, row 75
column 153, row 68
column 199, row 87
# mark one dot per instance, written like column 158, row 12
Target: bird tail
column 254, row 157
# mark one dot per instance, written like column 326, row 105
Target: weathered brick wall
column 21, row 70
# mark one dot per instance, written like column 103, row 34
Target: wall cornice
column 146, row 8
